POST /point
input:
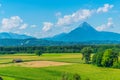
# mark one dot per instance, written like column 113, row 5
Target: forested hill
column 56, row 49
column 42, row 42
column 32, row 42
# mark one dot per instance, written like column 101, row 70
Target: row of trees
column 107, row 58
column 56, row 49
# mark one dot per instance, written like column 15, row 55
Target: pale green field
column 11, row 72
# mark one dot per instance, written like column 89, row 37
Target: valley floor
column 71, row 64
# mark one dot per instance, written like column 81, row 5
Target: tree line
column 106, row 58
column 56, row 49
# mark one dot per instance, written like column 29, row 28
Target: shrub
column 86, row 54
column 116, row 65
column 87, row 79
column 1, row 78
column 97, row 59
column 38, row 52
column 109, row 57
column 65, row 76
column 76, row 77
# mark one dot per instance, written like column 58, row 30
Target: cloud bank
column 47, row 26
column 105, row 8
column 12, row 22
column 108, row 25
column 78, row 16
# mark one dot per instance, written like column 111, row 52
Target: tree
column 109, row 58
column 97, row 59
column 86, row 54
column 38, row 52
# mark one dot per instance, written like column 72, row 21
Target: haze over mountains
column 83, row 34
column 5, row 35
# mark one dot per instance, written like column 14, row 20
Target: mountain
column 83, row 34
column 33, row 42
column 86, row 33
column 5, row 35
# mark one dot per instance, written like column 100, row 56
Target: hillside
column 8, row 35
column 85, row 33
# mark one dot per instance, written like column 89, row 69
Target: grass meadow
column 10, row 71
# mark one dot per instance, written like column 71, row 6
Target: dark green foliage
column 109, row 57
column 87, row 79
column 57, row 49
column 38, row 52
column 76, row 77
column 65, row 76
column 1, row 78
column 97, row 59
column 86, row 54
column 116, row 65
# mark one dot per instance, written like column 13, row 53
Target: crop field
column 51, row 69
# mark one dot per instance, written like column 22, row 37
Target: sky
column 46, row 18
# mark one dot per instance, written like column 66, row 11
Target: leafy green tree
column 116, row 65
column 109, row 58
column 97, row 59
column 38, row 52
column 86, row 54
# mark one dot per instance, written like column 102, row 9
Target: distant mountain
column 32, row 42
column 86, row 33
column 83, row 34
column 5, row 35
column 42, row 42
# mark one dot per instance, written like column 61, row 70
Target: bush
column 109, row 58
column 38, row 52
column 76, row 77
column 97, row 59
column 87, row 79
column 65, row 76
column 1, row 78
column 116, row 65
column 86, row 54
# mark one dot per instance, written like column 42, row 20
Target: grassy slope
column 54, row 73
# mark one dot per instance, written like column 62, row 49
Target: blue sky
column 45, row 18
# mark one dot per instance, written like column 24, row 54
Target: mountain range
column 85, row 32
column 8, row 35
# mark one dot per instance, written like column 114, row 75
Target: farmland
column 13, row 71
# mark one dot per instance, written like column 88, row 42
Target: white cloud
column 58, row 14
column 33, row 26
column 75, row 17
column 81, row 15
column 12, row 22
column 105, row 8
column 47, row 26
column 24, row 26
column 109, row 24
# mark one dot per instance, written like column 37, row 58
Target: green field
column 10, row 71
